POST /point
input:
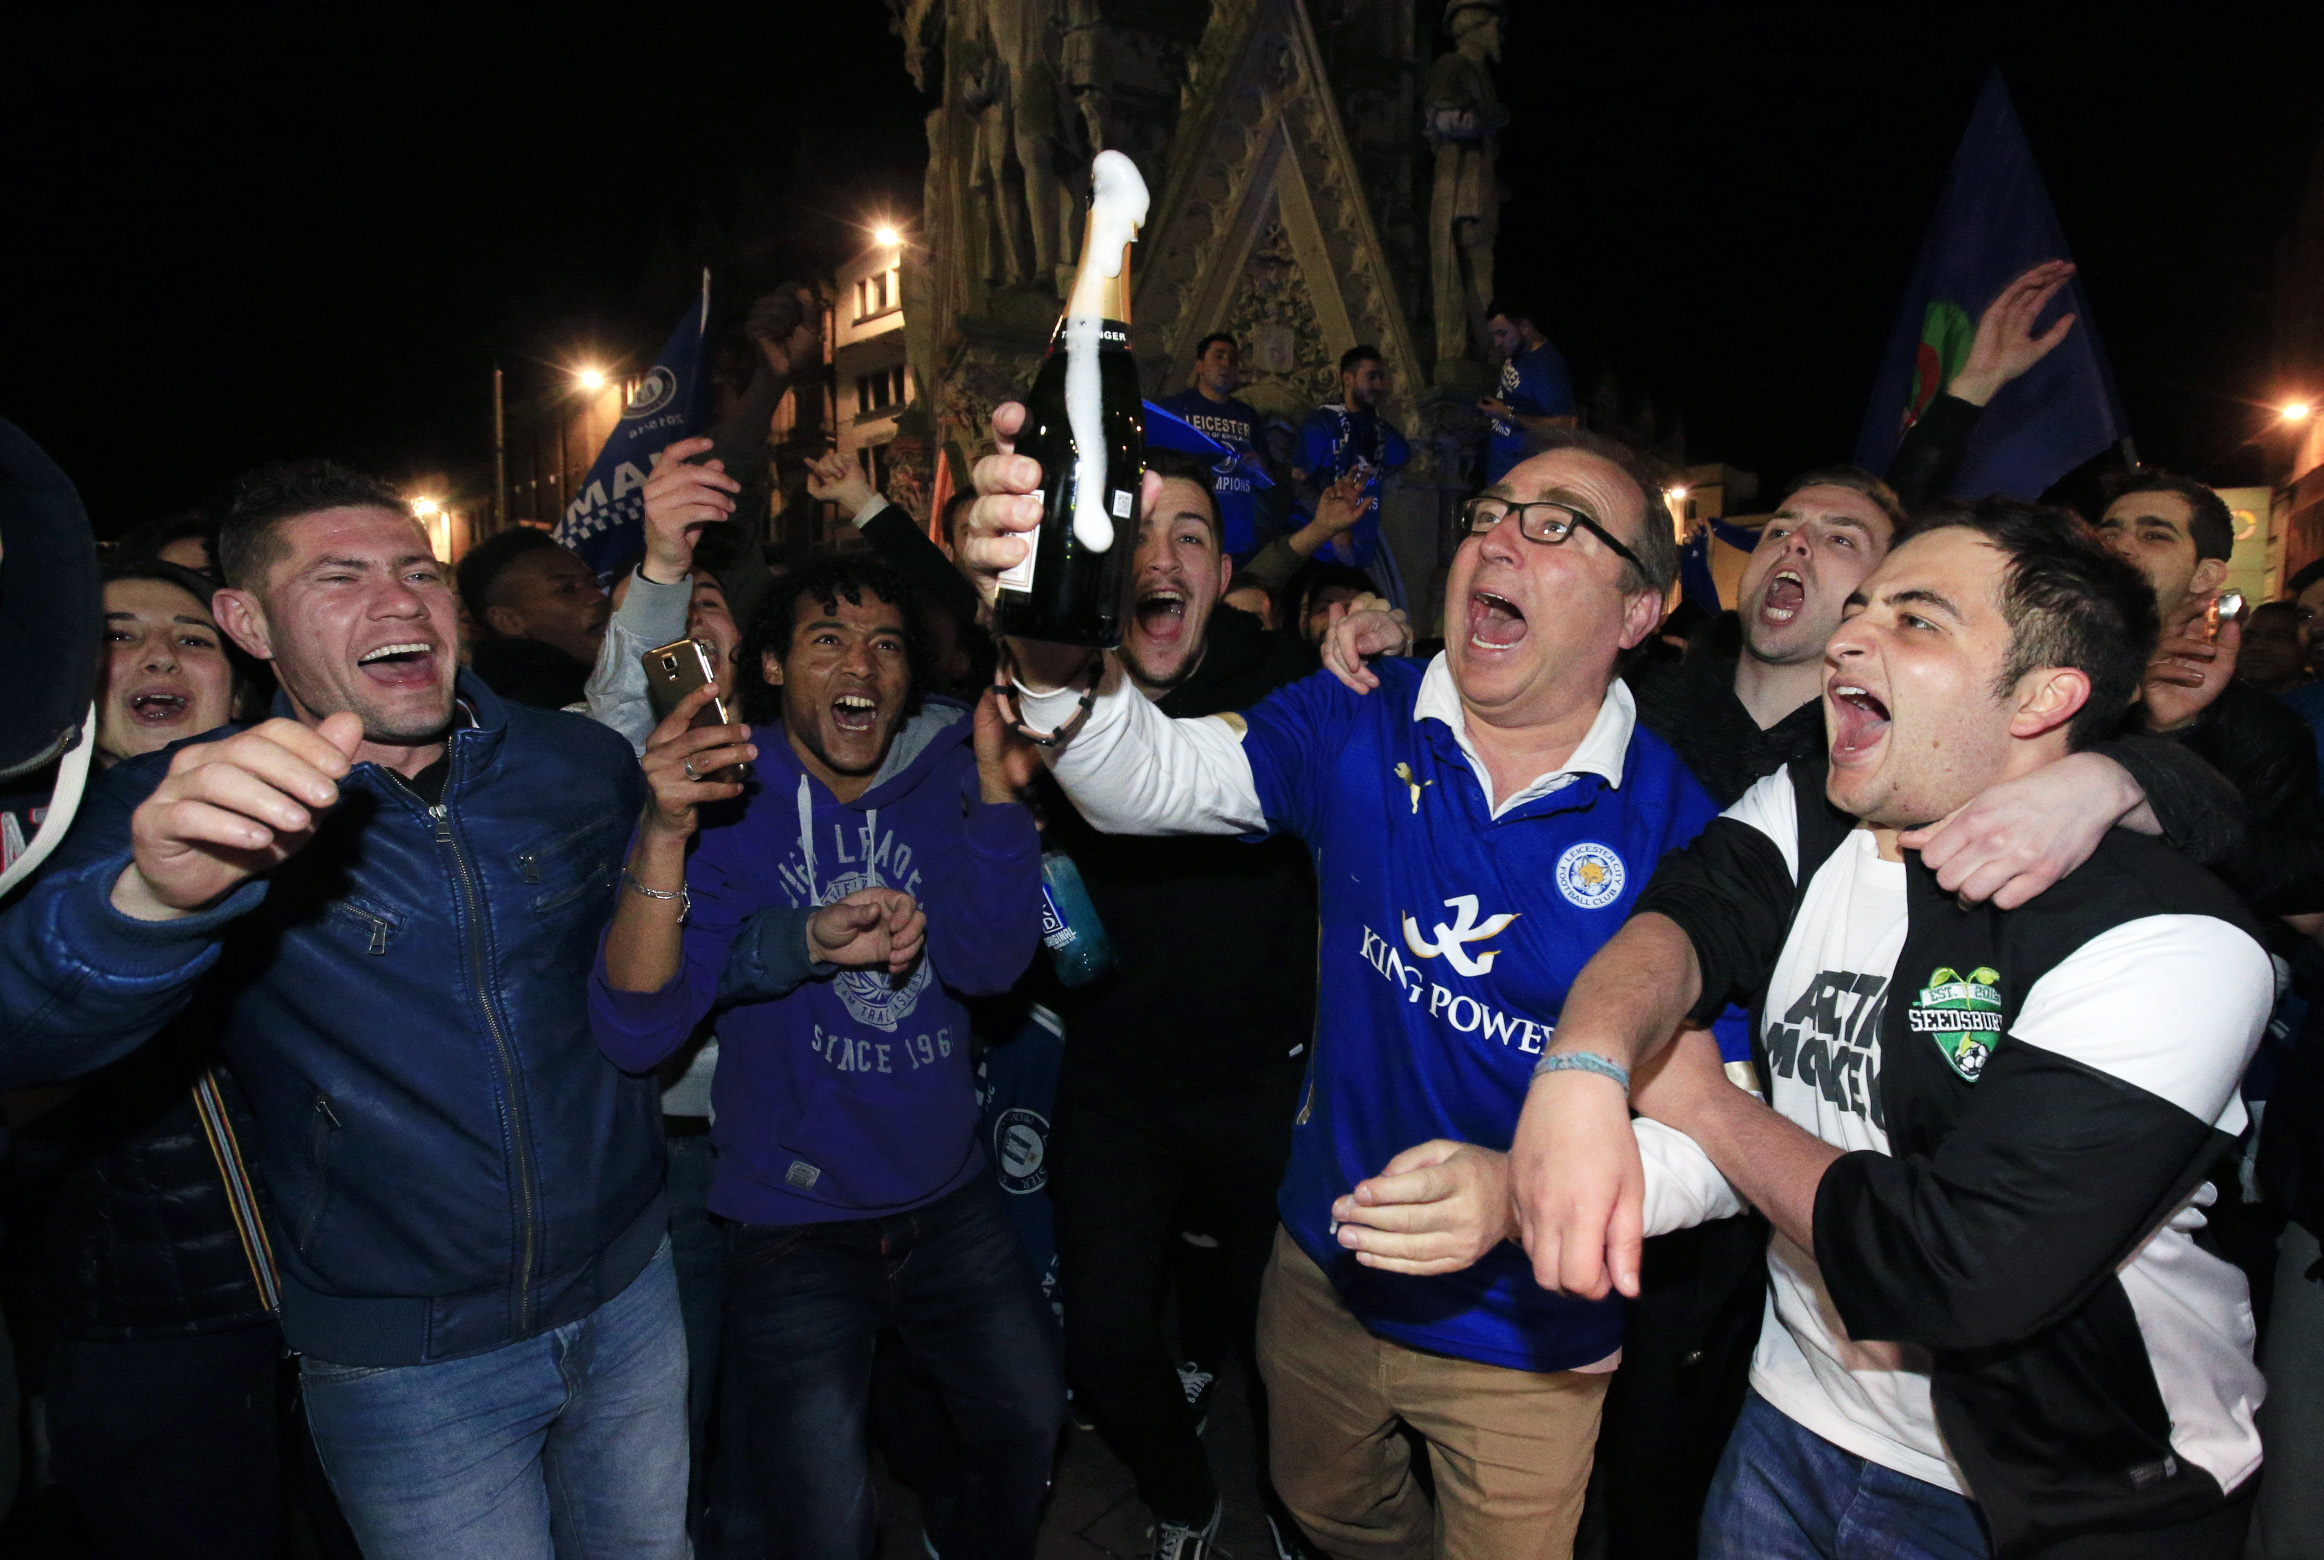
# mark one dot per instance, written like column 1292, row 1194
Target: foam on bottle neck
column 1117, row 207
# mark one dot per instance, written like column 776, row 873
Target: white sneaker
column 1196, row 1383
column 1174, row 1542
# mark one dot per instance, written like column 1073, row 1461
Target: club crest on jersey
column 1962, row 1013
column 1590, row 875
column 1021, row 1147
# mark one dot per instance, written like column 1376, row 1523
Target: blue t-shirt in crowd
column 1333, row 442
column 1235, row 425
column 1537, row 384
column 1449, row 938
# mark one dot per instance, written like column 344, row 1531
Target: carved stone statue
column 1083, row 56
column 1463, row 119
column 1011, row 87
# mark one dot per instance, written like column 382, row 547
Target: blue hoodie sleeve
column 984, row 907
column 81, row 984
column 638, row 1030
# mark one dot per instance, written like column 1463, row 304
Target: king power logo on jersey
column 1468, row 1014
column 1451, row 942
column 1962, row 1013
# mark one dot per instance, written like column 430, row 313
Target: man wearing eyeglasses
column 1478, row 824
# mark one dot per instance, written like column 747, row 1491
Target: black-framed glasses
column 1544, row 522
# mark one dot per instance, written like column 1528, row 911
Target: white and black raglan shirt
column 2042, row 1155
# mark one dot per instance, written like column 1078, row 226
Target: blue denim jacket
column 449, row 1161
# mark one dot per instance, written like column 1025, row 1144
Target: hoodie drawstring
column 807, row 840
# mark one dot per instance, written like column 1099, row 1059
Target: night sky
column 227, row 242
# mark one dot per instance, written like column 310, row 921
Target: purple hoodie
column 839, row 1093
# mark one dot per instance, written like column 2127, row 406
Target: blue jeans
column 570, row 1445
column 804, row 1306
column 1783, row 1492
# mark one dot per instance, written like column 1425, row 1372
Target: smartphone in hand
column 675, row 670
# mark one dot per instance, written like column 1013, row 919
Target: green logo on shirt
column 1962, row 1013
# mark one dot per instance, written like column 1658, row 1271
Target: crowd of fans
column 1840, row 1084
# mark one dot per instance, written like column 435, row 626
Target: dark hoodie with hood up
column 841, row 1094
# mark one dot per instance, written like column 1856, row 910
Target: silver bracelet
column 1585, row 1061
column 684, row 896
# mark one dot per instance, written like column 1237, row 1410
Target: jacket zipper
column 520, row 1135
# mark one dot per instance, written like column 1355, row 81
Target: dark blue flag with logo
column 1238, row 477
column 1993, row 222
column 605, row 523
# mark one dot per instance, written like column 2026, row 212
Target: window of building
column 875, row 393
column 875, row 294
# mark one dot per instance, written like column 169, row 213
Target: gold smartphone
column 676, row 670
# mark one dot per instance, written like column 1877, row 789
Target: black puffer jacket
column 2269, row 755
column 142, row 1241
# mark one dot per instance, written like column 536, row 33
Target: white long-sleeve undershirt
column 1133, row 770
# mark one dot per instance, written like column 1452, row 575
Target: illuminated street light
column 424, row 508
column 886, row 236
column 2298, row 411
column 590, row 379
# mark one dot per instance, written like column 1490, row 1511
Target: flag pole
column 499, row 457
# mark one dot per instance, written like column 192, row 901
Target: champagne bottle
column 1084, row 425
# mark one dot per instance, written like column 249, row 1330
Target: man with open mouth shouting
column 1185, row 1064
column 835, row 904
column 396, row 886
column 1476, row 826
column 1987, row 1136
column 166, row 674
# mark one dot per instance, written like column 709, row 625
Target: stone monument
column 1270, row 177
column 1464, row 119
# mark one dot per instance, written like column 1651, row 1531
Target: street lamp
column 2296, row 412
column 886, row 236
column 590, row 379
column 425, row 508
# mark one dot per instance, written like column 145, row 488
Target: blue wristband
column 1585, row 1061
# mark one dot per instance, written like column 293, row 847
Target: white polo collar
column 1600, row 752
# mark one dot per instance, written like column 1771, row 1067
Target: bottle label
column 1018, row 576
column 1110, row 334
column 1054, row 931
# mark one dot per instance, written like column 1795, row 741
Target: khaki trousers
column 1510, row 1449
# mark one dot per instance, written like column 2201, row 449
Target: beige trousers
column 1510, row 1449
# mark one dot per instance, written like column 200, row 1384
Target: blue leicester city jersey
column 1533, row 382
column 1333, row 442
column 1448, row 940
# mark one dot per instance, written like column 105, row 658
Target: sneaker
column 1197, row 1383
column 1173, row 1541
column 1290, row 1539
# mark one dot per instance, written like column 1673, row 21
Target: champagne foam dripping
column 1117, row 207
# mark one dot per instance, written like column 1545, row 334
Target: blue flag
column 605, row 523
column 1993, row 223
column 1237, row 477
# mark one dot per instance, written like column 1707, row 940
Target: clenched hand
column 231, row 809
